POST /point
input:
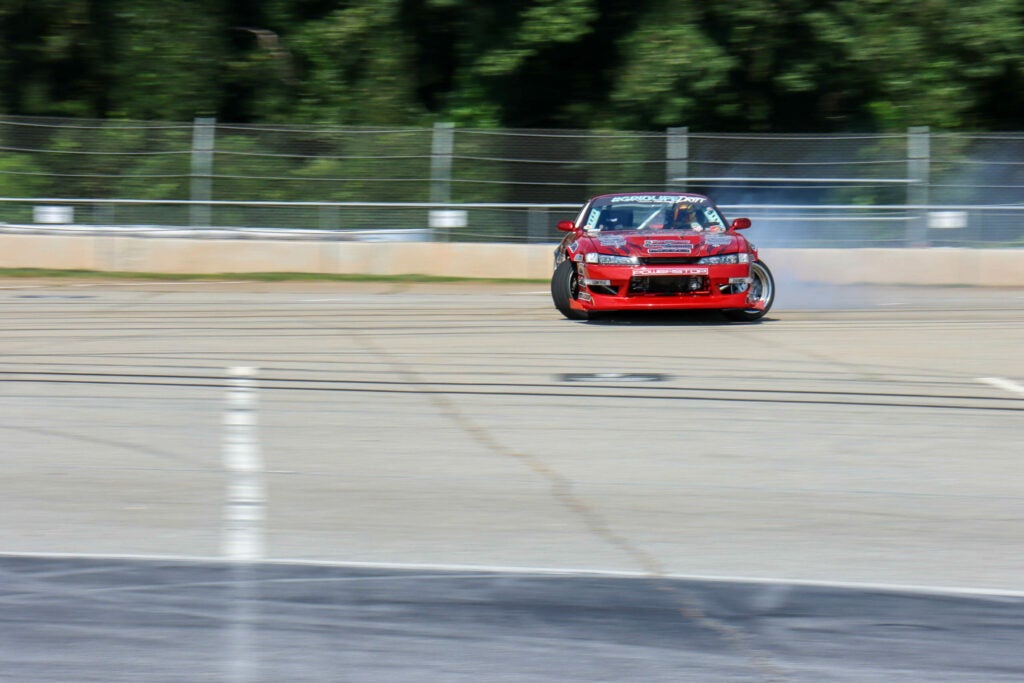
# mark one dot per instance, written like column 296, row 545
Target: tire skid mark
column 195, row 464
column 806, row 397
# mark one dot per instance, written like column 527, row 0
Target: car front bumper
column 676, row 287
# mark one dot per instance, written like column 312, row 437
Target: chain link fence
column 917, row 188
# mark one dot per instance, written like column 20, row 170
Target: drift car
column 658, row 251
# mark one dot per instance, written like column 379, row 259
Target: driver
column 686, row 216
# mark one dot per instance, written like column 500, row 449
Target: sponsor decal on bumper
column 669, row 270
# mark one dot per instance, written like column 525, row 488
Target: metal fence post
column 677, row 157
column 441, row 147
column 202, row 171
column 537, row 225
column 918, row 161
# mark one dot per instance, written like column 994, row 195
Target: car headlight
column 611, row 259
column 742, row 257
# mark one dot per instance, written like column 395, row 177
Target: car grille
column 688, row 284
column 668, row 260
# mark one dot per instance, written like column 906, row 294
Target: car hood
column 667, row 243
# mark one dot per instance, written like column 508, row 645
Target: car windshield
column 654, row 213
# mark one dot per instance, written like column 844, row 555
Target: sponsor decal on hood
column 668, row 246
column 612, row 241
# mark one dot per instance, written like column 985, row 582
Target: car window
column 625, row 215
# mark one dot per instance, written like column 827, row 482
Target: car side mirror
column 569, row 226
column 740, row 224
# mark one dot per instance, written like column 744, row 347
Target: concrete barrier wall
column 985, row 267
column 981, row 267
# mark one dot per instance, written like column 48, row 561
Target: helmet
column 685, row 216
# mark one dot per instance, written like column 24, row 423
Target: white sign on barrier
column 448, row 219
column 54, row 215
column 947, row 220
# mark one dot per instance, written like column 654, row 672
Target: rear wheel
column 762, row 288
column 565, row 287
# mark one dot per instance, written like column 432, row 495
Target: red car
column 658, row 251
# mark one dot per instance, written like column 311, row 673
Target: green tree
column 671, row 72
column 168, row 57
column 54, row 56
column 356, row 67
column 763, row 65
column 931, row 63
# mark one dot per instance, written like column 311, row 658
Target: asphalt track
column 454, row 483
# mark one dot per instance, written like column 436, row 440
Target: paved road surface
column 856, row 436
column 164, row 622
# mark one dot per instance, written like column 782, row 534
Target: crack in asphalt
column 562, row 491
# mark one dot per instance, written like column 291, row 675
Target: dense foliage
column 757, row 65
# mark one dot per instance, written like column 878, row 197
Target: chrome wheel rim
column 761, row 286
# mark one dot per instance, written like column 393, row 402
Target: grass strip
column 254, row 277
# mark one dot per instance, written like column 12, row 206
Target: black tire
column 763, row 285
column 565, row 288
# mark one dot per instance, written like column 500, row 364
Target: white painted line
column 242, row 536
column 1005, row 384
column 546, row 571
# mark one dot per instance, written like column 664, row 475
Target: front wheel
column 565, row 287
column 762, row 293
